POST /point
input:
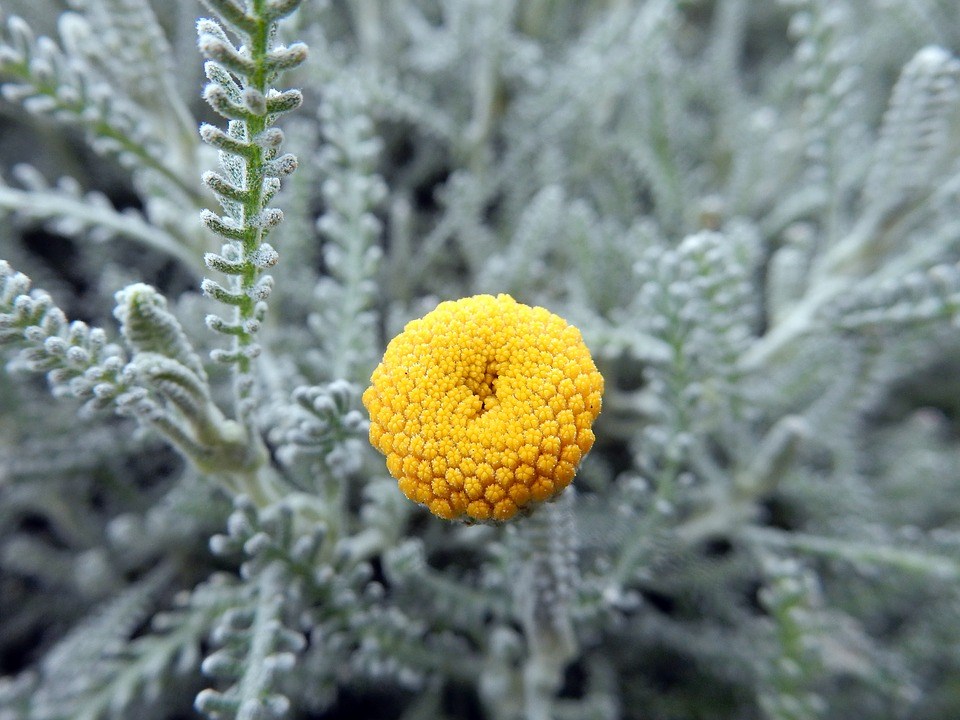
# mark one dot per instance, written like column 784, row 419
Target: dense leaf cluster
column 748, row 207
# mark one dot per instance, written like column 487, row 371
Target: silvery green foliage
column 251, row 168
column 749, row 208
column 351, row 191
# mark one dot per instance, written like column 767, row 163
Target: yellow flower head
column 483, row 407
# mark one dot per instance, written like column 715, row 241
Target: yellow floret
column 484, row 407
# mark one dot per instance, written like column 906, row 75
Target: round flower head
column 483, row 407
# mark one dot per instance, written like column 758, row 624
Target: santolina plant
column 731, row 222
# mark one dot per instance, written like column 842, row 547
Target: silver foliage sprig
column 157, row 378
column 792, row 598
column 918, row 298
column 320, row 436
column 55, row 79
column 89, row 671
column 78, row 360
column 251, row 167
column 304, row 574
column 828, row 80
column 146, row 67
column 254, row 645
column 165, row 362
column 916, row 128
column 294, row 576
column 256, row 651
column 545, row 579
column 696, row 299
column 352, row 190
column 910, row 184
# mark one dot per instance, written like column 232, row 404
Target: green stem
column 253, row 204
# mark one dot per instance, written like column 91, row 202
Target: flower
column 484, row 407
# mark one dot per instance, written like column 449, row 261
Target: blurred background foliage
column 749, row 208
